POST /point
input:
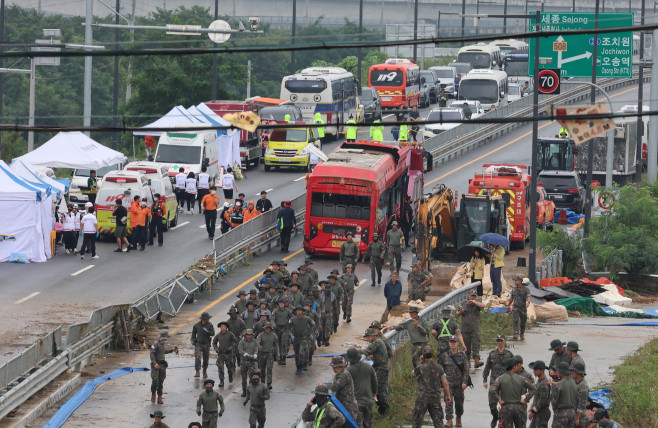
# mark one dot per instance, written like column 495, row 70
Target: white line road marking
column 26, row 298
column 300, row 178
column 266, row 190
column 269, row 190
column 388, row 115
column 364, row 282
column 179, row 225
column 82, row 270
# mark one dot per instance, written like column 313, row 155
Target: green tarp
column 587, row 306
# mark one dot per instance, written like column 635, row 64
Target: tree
column 571, row 248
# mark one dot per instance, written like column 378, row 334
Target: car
column 372, row 104
column 545, row 208
column 564, row 188
column 462, row 68
column 515, row 92
column 289, row 148
column 446, row 78
column 278, row 113
column 442, row 113
column 424, row 96
column 429, row 79
column 475, row 106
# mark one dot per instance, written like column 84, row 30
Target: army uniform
column 240, row 305
column 268, row 351
column 519, row 296
column 457, row 374
column 343, row 389
column 557, row 359
column 393, row 239
column 202, row 335
column 314, row 274
column 257, row 395
column 301, row 330
column 327, row 316
column 259, row 327
column 418, row 336
column 158, row 352
column 349, row 253
column 365, row 387
column 277, row 277
column 211, row 410
column 281, row 319
column 312, row 344
column 445, row 328
column 496, row 366
column 583, row 393
column 375, row 253
column 564, row 399
column 237, row 327
column 541, row 405
column 418, row 291
column 326, row 416
column 296, row 298
column 430, row 377
column 576, row 359
column 306, row 282
column 349, row 284
column 377, row 352
column 250, row 318
column 509, row 388
column 339, row 294
column 248, row 350
column 224, row 344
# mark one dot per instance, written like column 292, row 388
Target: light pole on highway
column 416, row 31
column 359, row 51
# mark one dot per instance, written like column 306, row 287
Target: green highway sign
column 573, row 54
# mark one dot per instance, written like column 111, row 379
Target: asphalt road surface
column 38, row 297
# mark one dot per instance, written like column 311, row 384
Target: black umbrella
column 466, row 252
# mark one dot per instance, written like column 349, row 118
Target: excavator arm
column 436, row 224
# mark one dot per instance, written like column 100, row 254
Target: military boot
column 349, row 319
column 221, row 383
column 205, row 374
column 244, row 393
column 160, row 399
column 230, row 377
column 153, row 397
column 494, row 422
column 448, row 423
column 459, row 421
column 516, row 337
column 522, row 336
column 477, row 363
column 198, row 373
column 283, row 361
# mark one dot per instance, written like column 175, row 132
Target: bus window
column 476, row 59
column 341, row 206
column 484, row 91
column 306, row 86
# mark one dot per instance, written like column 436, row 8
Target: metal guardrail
column 551, row 266
column 433, row 311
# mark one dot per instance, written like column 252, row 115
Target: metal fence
column 551, row 266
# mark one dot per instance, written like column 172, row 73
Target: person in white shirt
column 190, row 190
column 77, row 217
column 228, row 184
column 179, row 188
column 68, row 224
column 203, row 185
column 89, row 226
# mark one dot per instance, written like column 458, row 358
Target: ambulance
column 124, row 185
column 191, row 150
column 159, row 181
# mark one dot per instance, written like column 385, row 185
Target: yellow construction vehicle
column 480, row 214
column 436, row 226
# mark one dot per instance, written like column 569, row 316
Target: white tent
column 228, row 140
column 33, row 176
column 175, row 117
column 26, row 213
column 73, row 150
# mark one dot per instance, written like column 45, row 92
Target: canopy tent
column 33, row 176
column 73, row 150
column 26, row 213
column 172, row 119
column 228, row 140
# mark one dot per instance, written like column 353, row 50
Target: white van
column 124, row 185
column 158, row 176
column 487, row 86
column 446, row 76
column 79, row 181
column 481, row 56
column 190, row 150
column 508, row 45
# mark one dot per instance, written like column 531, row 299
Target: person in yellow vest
column 286, row 118
column 320, row 129
column 350, row 130
column 377, row 131
column 404, row 133
column 563, row 133
column 92, row 186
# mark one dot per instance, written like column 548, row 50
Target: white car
column 476, row 107
column 513, row 92
column 446, row 78
column 442, row 113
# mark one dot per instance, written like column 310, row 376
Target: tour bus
column 480, row 56
column 515, row 64
column 508, row 45
column 331, row 91
column 487, row 86
column 397, row 82
column 359, row 189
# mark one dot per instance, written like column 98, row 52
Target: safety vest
column 445, row 331
column 377, row 131
column 318, row 415
column 320, row 128
column 404, row 132
column 563, row 130
column 91, row 189
column 350, row 130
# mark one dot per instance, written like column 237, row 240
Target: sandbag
column 551, row 312
column 462, row 277
column 611, row 297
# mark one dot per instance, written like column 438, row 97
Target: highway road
column 38, row 297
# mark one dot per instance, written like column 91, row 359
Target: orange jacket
column 229, row 213
column 142, row 215
column 134, row 213
column 209, row 202
column 250, row 212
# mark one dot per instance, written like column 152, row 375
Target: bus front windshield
column 485, row 91
column 306, row 86
column 290, row 135
column 477, row 59
column 169, row 153
column 339, row 205
column 516, row 68
column 386, row 78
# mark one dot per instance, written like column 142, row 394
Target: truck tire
column 174, row 222
column 267, row 167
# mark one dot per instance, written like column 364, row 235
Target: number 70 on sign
column 559, row 46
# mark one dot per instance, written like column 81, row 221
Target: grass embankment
column 636, row 389
column 403, row 387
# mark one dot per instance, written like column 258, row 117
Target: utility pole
column 416, row 31
column 248, row 78
column 115, row 96
column 590, row 147
column 640, row 96
column 463, row 18
column 2, row 39
column 532, row 255
column 652, row 148
column 294, row 24
column 32, row 106
column 505, row 17
column 129, row 88
column 359, row 51
column 89, row 40
column 214, row 58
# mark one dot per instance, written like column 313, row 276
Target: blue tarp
column 601, row 397
column 500, row 310
column 350, row 422
column 652, row 312
column 623, row 324
column 85, row 392
column 572, row 217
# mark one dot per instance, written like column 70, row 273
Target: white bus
column 330, row 91
column 487, row 86
column 508, row 45
column 480, row 56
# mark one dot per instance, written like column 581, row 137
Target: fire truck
column 510, row 181
column 250, row 150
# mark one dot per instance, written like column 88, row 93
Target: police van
column 124, row 185
column 159, row 181
column 487, row 86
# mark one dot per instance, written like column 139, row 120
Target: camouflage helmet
column 232, row 310
column 321, row 390
column 338, row 361
column 370, row 332
column 375, row 324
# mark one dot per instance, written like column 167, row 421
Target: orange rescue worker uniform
column 250, row 212
column 209, row 204
column 235, row 215
column 134, row 212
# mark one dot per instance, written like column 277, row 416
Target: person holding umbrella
column 476, row 265
column 497, row 243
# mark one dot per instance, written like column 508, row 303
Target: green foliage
column 635, row 388
column 13, row 146
column 441, row 61
column 624, row 240
column 571, row 248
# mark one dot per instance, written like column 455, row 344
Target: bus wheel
column 267, row 167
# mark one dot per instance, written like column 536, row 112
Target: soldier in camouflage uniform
column 456, row 370
column 338, row 291
column 202, row 334
column 349, row 252
column 394, row 247
column 564, row 398
column 312, row 345
column 521, row 370
column 445, row 328
column 159, row 365
column 578, row 375
column 470, row 313
column 513, row 392
column 419, row 283
column 295, row 297
column 350, row 282
column 209, row 400
column 540, row 412
column 253, row 297
column 519, row 302
column 224, row 344
column 418, row 333
column 375, row 254
column 325, row 414
column 376, row 351
column 281, row 318
column 268, row 351
column 264, row 319
column 559, row 355
column 305, row 280
column 377, row 326
column 301, row 331
column 257, row 393
column 237, row 327
column 250, row 316
column 248, row 349
column 311, row 271
column 365, row 386
column 317, row 303
column 282, row 268
column 277, row 276
column 496, row 367
column 572, row 350
column 241, row 304
column 343, row 386
column 431, row 379
column 328, row 301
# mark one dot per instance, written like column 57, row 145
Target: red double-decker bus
column 397, row 82
column 360, row 188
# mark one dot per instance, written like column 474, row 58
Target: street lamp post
column 416, row 31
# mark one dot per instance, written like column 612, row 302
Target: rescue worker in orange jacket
column 251, row 211
column 235, row 215
column 158, row 216
column 143, row 216
column 134, row 213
